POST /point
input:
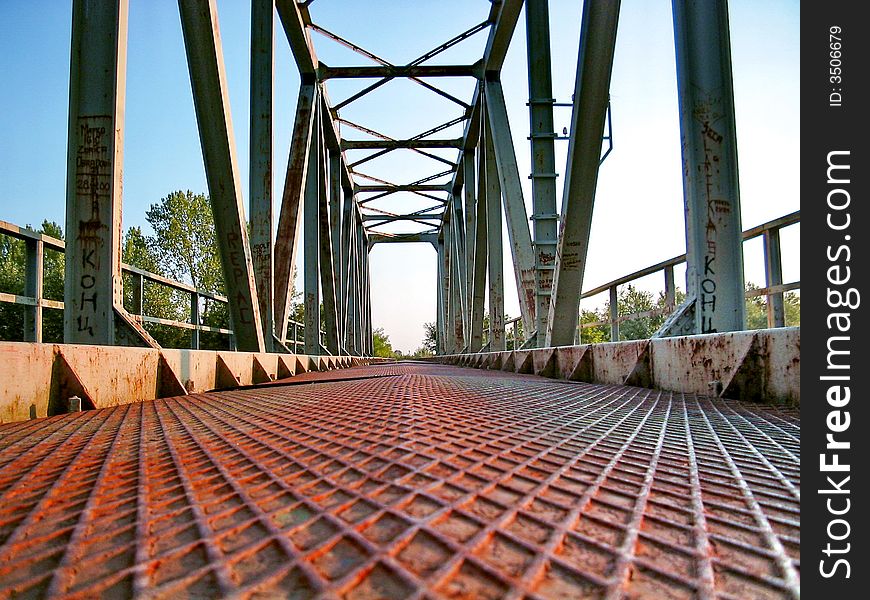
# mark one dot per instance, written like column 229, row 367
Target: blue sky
column 638, row 216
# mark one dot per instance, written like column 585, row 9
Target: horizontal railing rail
column 773, row 289
column 35, row 245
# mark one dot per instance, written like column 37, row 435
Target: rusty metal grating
column 436, row 482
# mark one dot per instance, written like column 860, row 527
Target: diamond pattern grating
column 422, row 482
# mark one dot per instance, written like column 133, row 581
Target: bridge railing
column 773, row 290
column 34, row 301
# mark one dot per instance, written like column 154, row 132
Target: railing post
column 194, row 319
column 614, row 315
column 773, row 277
column 33, row 275
column 138, row 294
column 670, row 288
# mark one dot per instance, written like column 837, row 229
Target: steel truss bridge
column 297, row 465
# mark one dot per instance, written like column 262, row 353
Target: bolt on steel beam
column 591, row 89
column 199, row 24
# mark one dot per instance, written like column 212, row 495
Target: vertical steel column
column 495, row 250
column 199, row 23
column 33, row 276
column 327, row 267
column 458, row 263
column 449, row 285
column 542, row 136
column 470, row 231
column 591, row 87
column 353, row 320
column 367, row 298
column 311, row 239
column 442, row 296
column 773, row 277
column 98, row 69
column 478, row 275
column 260, row 181
column 346, row 266
column 514, row 205
column 364, row 250
column 336, row 198
column 714, row 247
column 292, row 206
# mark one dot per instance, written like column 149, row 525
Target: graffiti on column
column 717, row 209
column 93, row 180
column 239, row 274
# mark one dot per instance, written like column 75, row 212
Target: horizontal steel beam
column 386, row 238
column 396, row 144
column 428, row 187
column 391, row 218
column 325, row 72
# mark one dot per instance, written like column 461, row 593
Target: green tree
column 596, row 334
column 382, row 345
column 422, row 352
column 430, row 337
column 184, row 240
column 185, row 246
column 157, row 300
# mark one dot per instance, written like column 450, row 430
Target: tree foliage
column 382, row 345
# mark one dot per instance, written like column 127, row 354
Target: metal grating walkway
column 422, row 481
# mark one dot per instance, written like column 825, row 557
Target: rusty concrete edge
column 759, row 366
column 37, row 380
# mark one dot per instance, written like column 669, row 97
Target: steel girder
column 714, row 246
column 93, row 295
column 211, row 101
column 591, row 89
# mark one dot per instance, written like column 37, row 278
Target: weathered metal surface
column 514, row 205
column 211, row 100
column 94, row 188
column 591, row 94
column 435, row 482
column 495, row 254
column 292, row 205
column 314, row 188
column 260, row 180
column 542, row 138
column 710, row 173
column 110, row 375
column 758, row 366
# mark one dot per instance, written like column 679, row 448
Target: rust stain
column 406, row 481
